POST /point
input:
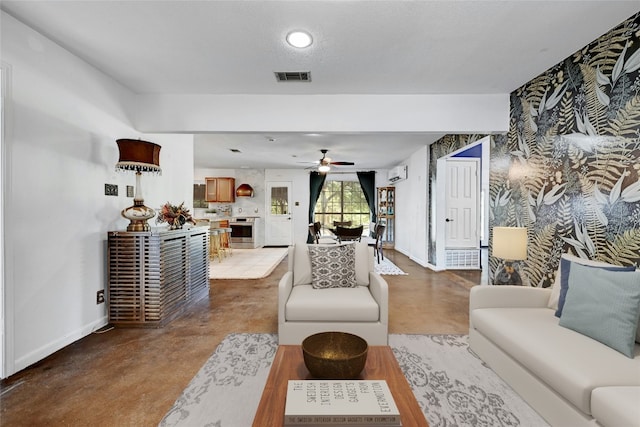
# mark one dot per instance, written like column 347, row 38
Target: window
column 279, row 201
column 342, row 201
column 199, row 199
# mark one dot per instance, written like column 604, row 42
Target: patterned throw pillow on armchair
column 333, row 266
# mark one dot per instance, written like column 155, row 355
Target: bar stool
column 214, row 244
column 225, row 237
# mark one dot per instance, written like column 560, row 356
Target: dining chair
column 342, row 224
column 349, row 234
column 316, row 232
column 376, row 242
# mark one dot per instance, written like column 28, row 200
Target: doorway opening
column 462, row 230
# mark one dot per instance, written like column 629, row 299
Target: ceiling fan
column 324, row 165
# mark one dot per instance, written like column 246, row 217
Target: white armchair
column 303, row 310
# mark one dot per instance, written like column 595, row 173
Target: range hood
column 244, row 190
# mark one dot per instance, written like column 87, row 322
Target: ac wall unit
column 398, row 173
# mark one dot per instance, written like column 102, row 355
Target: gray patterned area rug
column 453, row 386
column 387, row 267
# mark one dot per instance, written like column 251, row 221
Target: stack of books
column 352, row 403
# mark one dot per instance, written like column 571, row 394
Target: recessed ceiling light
column 300, row 39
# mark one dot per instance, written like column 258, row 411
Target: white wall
column 243, row 206
column 411, row 208
column 62, row 122
column 476, row 113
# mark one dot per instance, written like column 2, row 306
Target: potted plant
column 175, row 216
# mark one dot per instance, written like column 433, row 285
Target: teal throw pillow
column 603, row 305
column 565, row 270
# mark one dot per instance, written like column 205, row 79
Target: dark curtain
column 368, row 184
column 316, row 181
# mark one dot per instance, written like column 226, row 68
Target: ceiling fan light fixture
column 324, row 168
column 299, row 39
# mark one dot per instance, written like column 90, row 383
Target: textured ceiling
column 368, row 151
column 360, row 47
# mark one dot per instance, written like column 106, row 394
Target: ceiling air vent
column 293, row 76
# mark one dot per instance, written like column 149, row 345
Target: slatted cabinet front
column 154, row 276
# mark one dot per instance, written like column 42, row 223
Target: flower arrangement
column 175, row 216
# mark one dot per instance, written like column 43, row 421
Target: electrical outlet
column 111, row 189
column 100, row 296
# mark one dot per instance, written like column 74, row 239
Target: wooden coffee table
column 288, row 364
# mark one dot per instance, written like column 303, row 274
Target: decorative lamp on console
column 510, row 244
column 138, row 156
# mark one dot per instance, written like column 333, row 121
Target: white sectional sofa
column 567, row 377
column 362, row 310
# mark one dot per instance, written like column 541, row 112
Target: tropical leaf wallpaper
column 569, row 168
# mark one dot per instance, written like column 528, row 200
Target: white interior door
column 278, row 224
column 462, row 203
column 2, row 370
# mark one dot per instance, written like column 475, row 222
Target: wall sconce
column 138, row 156
column 510, row 244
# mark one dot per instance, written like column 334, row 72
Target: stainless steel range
column 243, row 232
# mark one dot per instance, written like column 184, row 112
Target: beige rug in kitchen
column 247, row 263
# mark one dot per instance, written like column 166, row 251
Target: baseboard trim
column 50, row 348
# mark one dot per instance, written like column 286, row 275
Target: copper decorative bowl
column 334, row 355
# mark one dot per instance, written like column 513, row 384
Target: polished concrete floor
column 131, row 377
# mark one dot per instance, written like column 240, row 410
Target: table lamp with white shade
column 509, row 244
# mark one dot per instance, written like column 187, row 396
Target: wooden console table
column 154, row 276
column 288, row 364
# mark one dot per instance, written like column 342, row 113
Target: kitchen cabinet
column 220, row 189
